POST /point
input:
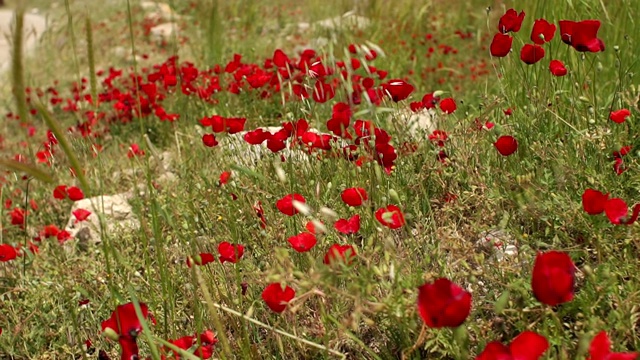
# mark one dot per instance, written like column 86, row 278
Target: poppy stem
column 556, row 320
column 278, row 331
column 422, row 337
column 461, row 338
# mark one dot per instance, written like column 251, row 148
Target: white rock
column 159, row 10
column 116, row 211
column 498, row 243
column 245, row 154
column 348, row 20
column 34, row 26
column 166, row 161
column 420, row 124
column 164, row 32
column 303, row 26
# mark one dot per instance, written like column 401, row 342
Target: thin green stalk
column 72, row 36
column 222, row 336
column 93, row 82
column 155, row 355
column 278, row 331
column 17, row 70
column 30, row 170
column 66, row 147
column 26, row 225
column 135, row 61
column 183, row 353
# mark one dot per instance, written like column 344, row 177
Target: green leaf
column 502, row 302
column 33, row 171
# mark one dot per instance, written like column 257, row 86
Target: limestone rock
column 164, row 32
column 159, row 10
column 498, row 243
column 420, row 124
column 245, row 154
column 348, row 20
column 34, row 26
column 116, row 210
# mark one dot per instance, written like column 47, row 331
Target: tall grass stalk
column 17, row 69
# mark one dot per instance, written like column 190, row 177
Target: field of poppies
column 310, row 180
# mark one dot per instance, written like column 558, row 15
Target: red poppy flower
column 322, row 92
column 350, row 226
column 209, row 140
column 129, row 349
column 205, row 351
column 311, row 227
column 125, row 322
column 557, row 68
column 619, row 116
column 184, row 343
column 526, row 346
column 619, row 167
column 542, row 32
column 256, row 137
column 81, row 215
column 600, row 349
column 398, row 89
column 429, row 101
column 285, row 205
column 531, row 54
column 448, row 105
column 439, row 137
column 74, row 193
column 234, row 125
column 339, row 253
column 506, row 145
column 276, row 297
column 49, row 231
column 617, row 211
column 593, row 201
column 201, row 259
column 553, row 278
column 7, row 252
column 18, row 216
column 391, row 217
column 230, row 252
column 280, row 59
column 354, row 196
column 63, row 236
column 443, row 304
column 510, row 21
column 622, row 152
column 60, row 192
column 302, row 242
column 207, row 341
column 501, row 45
column 257, row 207
column 582, row 35
column 135, row 150
column 224, row 178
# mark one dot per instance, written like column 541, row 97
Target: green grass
column 367, row 310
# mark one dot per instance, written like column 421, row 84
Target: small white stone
column 115, row 209
column 164, row 32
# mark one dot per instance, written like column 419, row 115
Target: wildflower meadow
column 350, row 179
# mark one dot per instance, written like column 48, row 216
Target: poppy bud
column 394, row 196
column 111, row 334
column 378, row 173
